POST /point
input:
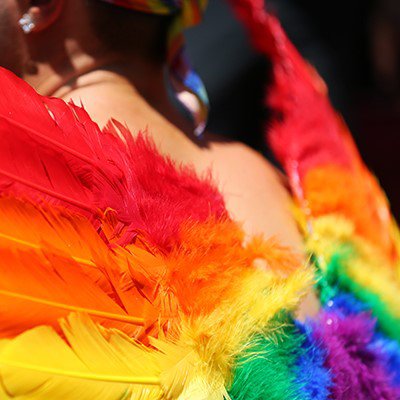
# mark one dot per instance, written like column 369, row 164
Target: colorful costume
column 122, row 276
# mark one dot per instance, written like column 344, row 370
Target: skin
column 12, row 52
column 63, row 58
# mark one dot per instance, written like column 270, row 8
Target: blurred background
column 355, row 46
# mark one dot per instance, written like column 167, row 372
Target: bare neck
column 74, row 73
column 73, row 70
column 68, row 57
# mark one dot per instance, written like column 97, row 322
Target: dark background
column 354, row 44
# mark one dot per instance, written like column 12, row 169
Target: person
column 112, row 60
column 141, row 283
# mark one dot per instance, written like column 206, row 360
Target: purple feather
column 358, row 370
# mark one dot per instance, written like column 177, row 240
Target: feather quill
column 53, row 151
column 39, row 157
column 52, row 263
column 92, row 362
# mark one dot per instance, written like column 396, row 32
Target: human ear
column 40, row 15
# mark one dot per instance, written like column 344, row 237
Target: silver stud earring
column 26, row 23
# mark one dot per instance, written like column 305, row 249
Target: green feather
column 387, row 322
column 335, row 276
column 266, row 369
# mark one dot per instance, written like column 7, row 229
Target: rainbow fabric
column 122, row 275
column 186, row 83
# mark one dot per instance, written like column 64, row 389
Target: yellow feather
column 217, row 338
column 105, row 364
column 93, row 363
column 367, row 265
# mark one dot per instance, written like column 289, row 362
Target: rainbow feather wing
column 153, row 256
column 213, row 321
column 345, row 220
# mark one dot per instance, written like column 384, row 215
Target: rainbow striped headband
column 187, row 85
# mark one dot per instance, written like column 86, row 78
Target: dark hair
column 124, row 30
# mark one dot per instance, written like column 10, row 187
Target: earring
column 26, row 23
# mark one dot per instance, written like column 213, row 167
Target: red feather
column 49, row 154
column 52, row 151
column 305, row 130
column 307, row 134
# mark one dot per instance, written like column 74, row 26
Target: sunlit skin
column 63, row 58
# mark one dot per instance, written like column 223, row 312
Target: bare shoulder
column 244, row 159
column 254, row 190
column 256, row 194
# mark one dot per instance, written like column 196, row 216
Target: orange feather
column 53, row 262
column 331, row 189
